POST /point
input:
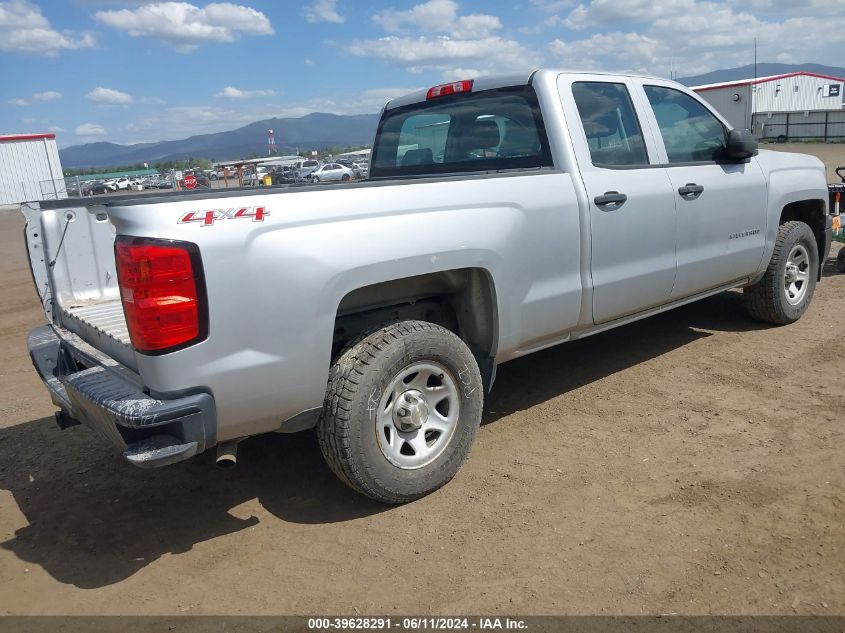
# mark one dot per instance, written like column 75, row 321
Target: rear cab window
column 490, row 130
column 613, row 132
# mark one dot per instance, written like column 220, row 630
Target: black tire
column 357, row 386
column 346, row 178
column 767, row 299
column 840, row 260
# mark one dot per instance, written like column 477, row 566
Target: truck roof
column 490, row 82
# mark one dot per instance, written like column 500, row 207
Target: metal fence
column 31, row 191
column 821, row 125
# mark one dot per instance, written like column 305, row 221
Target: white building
column 812, row 104
column 358, row 154
column 30, row 169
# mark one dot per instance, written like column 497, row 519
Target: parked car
column 305, row 167
column 121, row 183
column 566, row 204
column 158, row 181
column 285, row 176
column 331, row 172
column 361, row 170
column 98, row 187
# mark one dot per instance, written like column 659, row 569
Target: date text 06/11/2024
column 415, row 624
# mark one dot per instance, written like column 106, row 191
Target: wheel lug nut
column 403, row 413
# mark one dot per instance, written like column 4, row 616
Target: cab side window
column 613, row 132
column 690, row 132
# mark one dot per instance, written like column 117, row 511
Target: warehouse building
column 30, row 168
column 800, row 105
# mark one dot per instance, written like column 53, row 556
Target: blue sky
column 134, row 71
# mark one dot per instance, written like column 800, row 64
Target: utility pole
column 753, row 90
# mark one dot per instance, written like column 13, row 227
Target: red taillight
column 449, row 89
column 162, row 291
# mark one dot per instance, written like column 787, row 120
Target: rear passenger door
column 721, row 205
column 632, row 206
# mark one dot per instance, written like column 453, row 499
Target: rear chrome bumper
column 93, row 389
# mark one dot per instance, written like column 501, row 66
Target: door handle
column 690, row 191
column 611, row 200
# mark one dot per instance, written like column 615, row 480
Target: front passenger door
column 721, row 205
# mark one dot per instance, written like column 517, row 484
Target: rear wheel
column 840, row 260
column 345, row 178
column 786, row 289
column 402, row 408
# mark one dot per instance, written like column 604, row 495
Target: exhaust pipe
column 227, row 454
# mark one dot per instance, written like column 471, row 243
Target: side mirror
column 741, row 145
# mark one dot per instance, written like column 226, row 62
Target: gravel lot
column 689, row 463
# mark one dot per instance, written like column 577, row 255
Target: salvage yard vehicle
column 502, row 215
column 331, row 172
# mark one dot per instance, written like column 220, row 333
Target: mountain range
column 320, row 130
column 312, row 131
column 763, row 70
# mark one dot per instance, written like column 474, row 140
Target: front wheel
column 784, row 293
column 402, row 408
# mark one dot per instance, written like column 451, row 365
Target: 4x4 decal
column 207, row 218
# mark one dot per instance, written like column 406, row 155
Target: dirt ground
column 689, row 463
column 831, row 154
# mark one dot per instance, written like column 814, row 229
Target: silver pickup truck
column 501, row 216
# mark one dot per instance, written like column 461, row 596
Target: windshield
column 491, row 130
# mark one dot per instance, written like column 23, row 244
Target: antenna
column 271, row 142
column 753, row 88
column 755, row 60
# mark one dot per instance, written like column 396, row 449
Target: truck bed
column 105, row 318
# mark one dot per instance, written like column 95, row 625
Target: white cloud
column 230, row 92
column 323, row 11
column 56, row 129
column 109, row 96
column 444, row 53
column 90, row 130
column 434, row 16
column 50, row 95
column 456, row 74
column 551, row 6
column 438, row 16
column 445, row 41
column 185, row 26
column 24, row 29
column 601, row 12
column 474, row 26
column 695, row 36
column 547, row 23
column 636, row 50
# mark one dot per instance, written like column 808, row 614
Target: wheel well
column 810, row 212
column 461, row 300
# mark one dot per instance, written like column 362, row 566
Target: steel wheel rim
column 796, row 278
column 429, row 395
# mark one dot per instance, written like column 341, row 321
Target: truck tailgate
column 71, row 252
